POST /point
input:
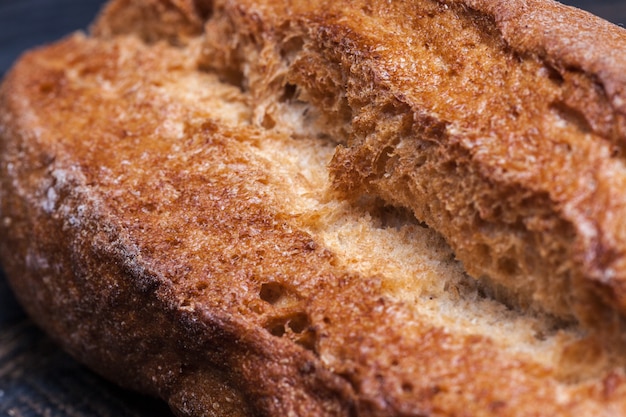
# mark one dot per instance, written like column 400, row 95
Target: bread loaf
column 408, row 208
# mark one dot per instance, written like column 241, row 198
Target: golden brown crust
column 145, row 230
column 567, row 38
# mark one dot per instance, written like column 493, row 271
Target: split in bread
column 332, row 208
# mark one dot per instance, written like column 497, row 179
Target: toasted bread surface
column 497, row 129
column 167, row 213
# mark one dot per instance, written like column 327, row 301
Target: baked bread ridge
column 68, row 178
column 506, row 140
column 183, row 274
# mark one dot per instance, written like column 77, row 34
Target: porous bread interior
column 445, row 118
column 418, row 268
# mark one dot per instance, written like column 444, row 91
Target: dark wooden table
column 36, row 378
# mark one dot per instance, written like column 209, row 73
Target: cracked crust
column 167, row 215
column 473, row 115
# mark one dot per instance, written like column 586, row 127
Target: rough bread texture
column 496, row 123
column 256, row 208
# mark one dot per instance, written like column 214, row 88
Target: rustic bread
column 256, row 208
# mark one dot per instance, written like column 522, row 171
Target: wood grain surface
column 37, row 378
